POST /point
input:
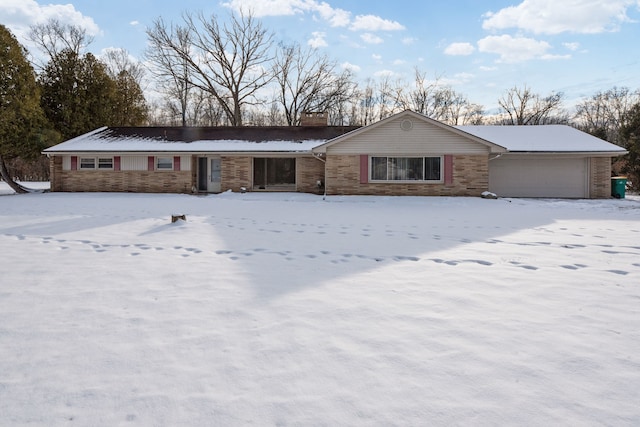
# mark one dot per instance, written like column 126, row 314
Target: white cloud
column 371, row 38
column 485, row 68
column 317, row 40
column 134, row 23
column 335, row 16
column 384, row 73
column 19, row 15
column 408, row 40
column 455, row 80
column 554, row 17
column 399, row 62
column 572, row 46
column 459, row 49
column 514, row 49
column 374, row 23
column 376, row 57
column 350, row 66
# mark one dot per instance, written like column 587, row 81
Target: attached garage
column 539, row 176
column 548, row 161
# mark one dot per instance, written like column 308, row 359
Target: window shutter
column 151, row 163
column 116, row 163
column 74, row 163
column 176, row 163
column 364, row 168
column 448, row 169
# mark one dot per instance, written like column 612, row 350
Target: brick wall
column 600, row 178
column 55, row 173
column 236, row 173
column 470, row 178
column 308, row 172
column 123, row 181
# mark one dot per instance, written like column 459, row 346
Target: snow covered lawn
column 287, row 309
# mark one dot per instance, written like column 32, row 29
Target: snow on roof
column 101, row 141
column 544, row 138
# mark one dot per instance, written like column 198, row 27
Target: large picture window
column 274, row 173
column 406, row 169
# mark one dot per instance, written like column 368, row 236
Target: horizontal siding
column 422, row 138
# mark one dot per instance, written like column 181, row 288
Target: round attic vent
column 406, row 124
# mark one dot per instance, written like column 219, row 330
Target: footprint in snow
column 620, row 272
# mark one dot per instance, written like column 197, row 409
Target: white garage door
column 539, row 177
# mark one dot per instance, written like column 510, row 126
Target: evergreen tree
column 630, row 138
column 23, row 128
column 77, row 93
column 130, row 107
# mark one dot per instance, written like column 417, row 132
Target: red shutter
column 176, row 163
column 151, row 163
column 364, row 168
column 74, row 163
column 116, row 163
column 448, row 169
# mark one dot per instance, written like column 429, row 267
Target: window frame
column 100, row 167
column 168, row 167
column 82, row 161
column 406, row 159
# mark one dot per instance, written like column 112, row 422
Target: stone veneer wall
column 600, row 178
column 118, row 181
column 236, row 173
column 309, row 171
column 470, row 178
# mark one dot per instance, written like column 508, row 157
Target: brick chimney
column 314, row 118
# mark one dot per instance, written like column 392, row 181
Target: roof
column 543, row 139
column 201, row 139
column 411, row 114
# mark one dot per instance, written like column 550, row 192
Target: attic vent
column 406, row 124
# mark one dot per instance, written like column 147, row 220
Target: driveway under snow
column 287, row 309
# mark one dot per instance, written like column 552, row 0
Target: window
column 406, row 169
column 164, row 163
column 87, row 163
column 274, row 173
column 105, row 163
column 92, row 163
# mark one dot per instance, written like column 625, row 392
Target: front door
column 209, row 174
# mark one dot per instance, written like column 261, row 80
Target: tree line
column 209, row 72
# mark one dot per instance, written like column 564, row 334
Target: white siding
column 185, row 163
column 133, row 163
column 422, row 138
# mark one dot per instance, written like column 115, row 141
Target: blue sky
column 480, row 48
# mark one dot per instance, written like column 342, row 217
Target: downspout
column 318, row 156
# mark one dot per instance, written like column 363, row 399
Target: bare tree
column 605, row 113
column 523, row 107
column 52, row 37
column 166, row 54
column 229, row 62
column 455, row 108
column 119, row 60
column 306, row 81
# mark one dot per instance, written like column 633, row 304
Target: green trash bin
column 618, row 186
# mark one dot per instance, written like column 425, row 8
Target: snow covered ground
column 287, row 309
